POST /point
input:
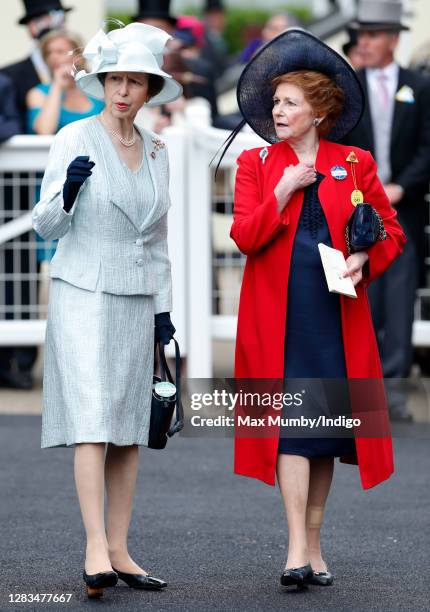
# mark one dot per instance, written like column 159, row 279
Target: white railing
column 206, row 265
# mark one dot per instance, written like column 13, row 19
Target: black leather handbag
column 364, row 228
column 166, row 394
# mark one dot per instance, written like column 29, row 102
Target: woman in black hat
column 301, row 96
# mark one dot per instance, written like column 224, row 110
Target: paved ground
column 219, row 540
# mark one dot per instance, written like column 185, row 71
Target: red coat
column 267, row 237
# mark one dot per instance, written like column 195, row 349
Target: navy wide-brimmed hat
column 296, row 49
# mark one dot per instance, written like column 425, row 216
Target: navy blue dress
column 313, row 340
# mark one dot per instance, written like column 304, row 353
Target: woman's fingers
column 354, row 269
column 355, row 275
column 356, row 278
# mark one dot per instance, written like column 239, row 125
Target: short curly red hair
column 320, row 91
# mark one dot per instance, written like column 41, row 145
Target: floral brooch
column 158, row 144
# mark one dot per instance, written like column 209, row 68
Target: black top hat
column 35, row 8
column 156, row 9
column 296, row 49
column 214, row 5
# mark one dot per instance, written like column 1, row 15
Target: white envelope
column 334, row 264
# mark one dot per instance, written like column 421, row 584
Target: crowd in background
column 38, row 95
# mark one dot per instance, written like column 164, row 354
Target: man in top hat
column 40, row 17
column 156, row 13
column 395, row 127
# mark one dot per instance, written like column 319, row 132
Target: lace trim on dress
column 312, row 215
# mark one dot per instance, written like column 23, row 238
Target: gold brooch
column 158, row 144
column 352, row 158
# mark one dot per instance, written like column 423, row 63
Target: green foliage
column 236, row 23
column 237, row 20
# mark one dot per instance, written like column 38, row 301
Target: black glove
column 77, row 173
column 164, row 328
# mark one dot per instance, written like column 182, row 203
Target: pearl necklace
column 124, row 141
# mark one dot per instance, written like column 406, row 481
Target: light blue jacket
column 104, row 241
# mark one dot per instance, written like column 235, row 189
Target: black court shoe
column 322, row 578
column 299, row 576
column 97, row 582
column 140, row 581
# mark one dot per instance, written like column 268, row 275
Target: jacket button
column 140, row 262
column 139, row 241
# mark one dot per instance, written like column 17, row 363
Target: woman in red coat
column 300, row 95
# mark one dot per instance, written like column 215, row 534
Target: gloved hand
column 77, row 173
column 164, row 328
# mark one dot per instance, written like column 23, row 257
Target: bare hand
column 394, row 193
column 62, row 76
column 294, row 178
column 355, row 263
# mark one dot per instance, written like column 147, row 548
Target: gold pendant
column 357, row 197
column 352, row 158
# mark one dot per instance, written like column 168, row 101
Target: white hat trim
column 136, row 48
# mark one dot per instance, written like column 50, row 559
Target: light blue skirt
column 99, row 355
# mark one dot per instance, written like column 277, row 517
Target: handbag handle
column 165, row 372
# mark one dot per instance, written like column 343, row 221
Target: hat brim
column 91, row 85
column 296, row 49
column 377, row 27
column 28, row 18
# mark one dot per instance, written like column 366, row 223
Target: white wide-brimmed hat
column 137, row 47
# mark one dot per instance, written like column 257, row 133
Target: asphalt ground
column 219, row 540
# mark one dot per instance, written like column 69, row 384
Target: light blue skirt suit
column 109, row 276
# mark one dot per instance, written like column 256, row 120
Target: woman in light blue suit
column 105, row 197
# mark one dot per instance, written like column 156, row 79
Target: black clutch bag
column 166, row 394
column 364, row 228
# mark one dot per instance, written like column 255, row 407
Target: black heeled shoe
column 97, row 582
column 299, row 576
column 322, row 578
column 140, row 581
